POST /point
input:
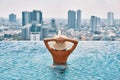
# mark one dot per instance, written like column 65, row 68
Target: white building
column 35, row 36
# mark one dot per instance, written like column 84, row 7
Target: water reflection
column 58, row 73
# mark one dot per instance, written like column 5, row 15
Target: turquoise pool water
column 31, row 61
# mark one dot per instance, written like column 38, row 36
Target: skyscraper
column 78, row 19
column 93, row 23
column 31, row 32
column 53, row 25
column 35, row 32
column 25, row 17
column 12, row 18
column 26, row 32
column 37, row 16
column 110, row 18
column 71, row 19
column 44, row 33
column 29, row 17
column 98, row 21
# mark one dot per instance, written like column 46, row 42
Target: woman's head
column 60, row 43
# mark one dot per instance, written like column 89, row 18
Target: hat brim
column 60, row 46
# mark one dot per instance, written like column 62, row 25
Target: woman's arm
column 46, row 43
column 75, row 42
column 71, row 40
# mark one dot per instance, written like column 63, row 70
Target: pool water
column 32, row 61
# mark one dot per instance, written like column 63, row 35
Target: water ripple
column 31, row 61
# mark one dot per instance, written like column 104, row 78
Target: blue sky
column 59, row 8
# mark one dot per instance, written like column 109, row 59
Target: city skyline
column 59, row 8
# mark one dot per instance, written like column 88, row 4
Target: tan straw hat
column 60, row 46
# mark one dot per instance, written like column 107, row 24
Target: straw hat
column 60, row 46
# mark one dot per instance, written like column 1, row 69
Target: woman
column 59, row 51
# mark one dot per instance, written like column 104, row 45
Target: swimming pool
column 31, row 61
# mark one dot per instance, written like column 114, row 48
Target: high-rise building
column 110, row 18
column 31, row 32
column 93, row 23
column 78, row 19
column 26, row 32
column 35, row 32
column 29, row 17
column 71, row 19
column 44, row 33
column 35, row 28
column 26, row 17
column 23, row 34
column 53, row 25
column 12, row 18
column 37, row 16
column 98, row 21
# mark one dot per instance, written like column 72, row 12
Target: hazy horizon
column 59, row 8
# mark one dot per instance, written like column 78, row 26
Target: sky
column 59, row 8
